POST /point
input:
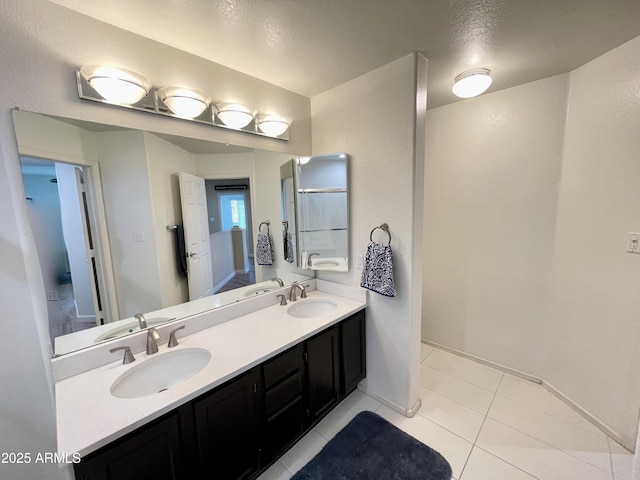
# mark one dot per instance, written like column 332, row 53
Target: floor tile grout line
column 613, row 473
column 549, row 445
column 460, row 378
column 451, row 400
column 507, row 462
column 596, row 430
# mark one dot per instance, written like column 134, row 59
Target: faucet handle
column 128, row 356
column 304, row 291
column 173, row 341
column 283, row 299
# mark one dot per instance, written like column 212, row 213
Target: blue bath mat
column 370, row 448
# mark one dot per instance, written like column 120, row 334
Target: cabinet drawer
column 283, row 393
column 282, row 366
column 283, row 428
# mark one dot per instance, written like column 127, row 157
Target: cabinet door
column 226, row 427
column 150, row 453
column 352, row 353
column 322, row 361
column 283, row 405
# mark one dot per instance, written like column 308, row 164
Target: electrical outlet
column 52, row 296
column 359, row 262
column 138, row 236
column 633, row 244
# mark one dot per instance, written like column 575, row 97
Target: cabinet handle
column 255, row 388
column 306, row 357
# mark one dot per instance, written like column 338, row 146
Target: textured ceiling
column 310, row 46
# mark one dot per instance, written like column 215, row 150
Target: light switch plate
column 633, row 243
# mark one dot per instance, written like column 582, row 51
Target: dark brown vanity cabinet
column 158, row 451
column 353, row 355
column 323, row 374
column 238, row 429
column 227, row 429
column 284, row 379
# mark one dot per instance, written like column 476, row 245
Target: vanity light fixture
column 472, row 83
column 116, row 85
column 234, row 115
column 125, row 88
column 272, row 125
column 183, row 102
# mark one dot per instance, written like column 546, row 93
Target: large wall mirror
column 107, row 215
column 315, row 211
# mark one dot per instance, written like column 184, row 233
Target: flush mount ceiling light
column 116, row 85
column 272, row 125
column 234, row 115
column 472, row 83
column 183, row 102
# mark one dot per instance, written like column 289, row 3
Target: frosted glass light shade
column 472, row 83
column 116, row 85
column 183, row 102
column 272, row 125
column 234, row 115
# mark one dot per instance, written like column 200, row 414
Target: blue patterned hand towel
column 264, row 249
column 377, row 274
column 288, row 247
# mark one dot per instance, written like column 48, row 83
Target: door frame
column 254, row 223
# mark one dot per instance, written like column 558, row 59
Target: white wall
column 530, row 194
column 128, row 208
column 41, row 46
column 163, row 161
column 594, row 334
column 492, row 175
column 372, row 118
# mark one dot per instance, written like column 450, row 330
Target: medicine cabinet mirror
column 315, row 212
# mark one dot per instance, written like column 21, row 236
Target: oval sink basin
column 130, row 327
column 258, row 291
column 160, row 373
column 311, row 308
column 326, row 263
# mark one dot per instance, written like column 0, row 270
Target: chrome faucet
column 152, row 341
column 141, row 320
column 279, row 280
column 292, row 292
column 309, row 262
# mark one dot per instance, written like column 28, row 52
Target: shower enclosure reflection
column 315, row 208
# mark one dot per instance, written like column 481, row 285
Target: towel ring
column 384, row 227
column 267, row 223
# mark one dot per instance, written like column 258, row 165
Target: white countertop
column 89, row 416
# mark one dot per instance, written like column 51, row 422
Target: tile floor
column 488, row 424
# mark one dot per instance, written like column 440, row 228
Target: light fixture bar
column 177, row 102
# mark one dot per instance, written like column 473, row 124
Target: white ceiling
column 310, row 46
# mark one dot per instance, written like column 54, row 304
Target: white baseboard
column 532, row 378
column 499, row 366
column 407, row 412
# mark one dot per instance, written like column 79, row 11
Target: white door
column 78, row 242
column 196, row 235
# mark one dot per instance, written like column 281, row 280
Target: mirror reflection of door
column 59, row 213
column 230, row 225
column 193, row 197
